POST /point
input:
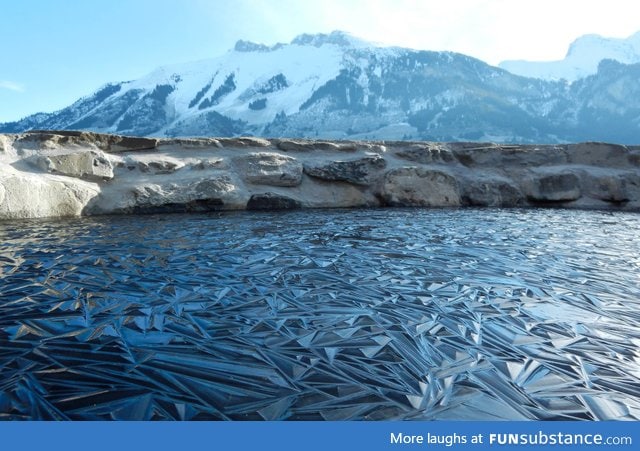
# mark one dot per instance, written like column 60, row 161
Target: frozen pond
column 334, row 315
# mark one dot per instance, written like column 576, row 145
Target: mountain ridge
column 336, row 86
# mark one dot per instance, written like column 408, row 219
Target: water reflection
column 380, row 314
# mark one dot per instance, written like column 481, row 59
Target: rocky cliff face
column 335, row 87
column 45, row 174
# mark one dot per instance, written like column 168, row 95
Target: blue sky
column 55, row 51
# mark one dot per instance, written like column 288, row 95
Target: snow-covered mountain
column 335, row 86
column 582, row 59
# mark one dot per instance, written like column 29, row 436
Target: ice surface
column 326, row 315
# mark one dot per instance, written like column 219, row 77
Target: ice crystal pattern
column 330, row 315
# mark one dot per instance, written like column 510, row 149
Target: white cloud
column 11, row 86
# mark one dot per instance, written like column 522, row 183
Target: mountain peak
column 582, row 58
column 248, row 46
column 339, row 38
column 625, row 50
column 585, row 41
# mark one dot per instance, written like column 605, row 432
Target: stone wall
column 79, row 173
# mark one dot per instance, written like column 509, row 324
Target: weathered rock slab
column 420, row 187
column 426, row 154
column 51, row 139
column 160, row 165
column 272, row 201
column 358, row 172
column 4, row 143
column 612, row 188
column 267, row 168
column 307, row 145
column 214, row 187
column 243, row 142
column 492, row 192
column 35, row 196
column 598, row 154
column 554, row 187
column 209, row 163
column 198, row 196
column 487, row 155
column 87, row 165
